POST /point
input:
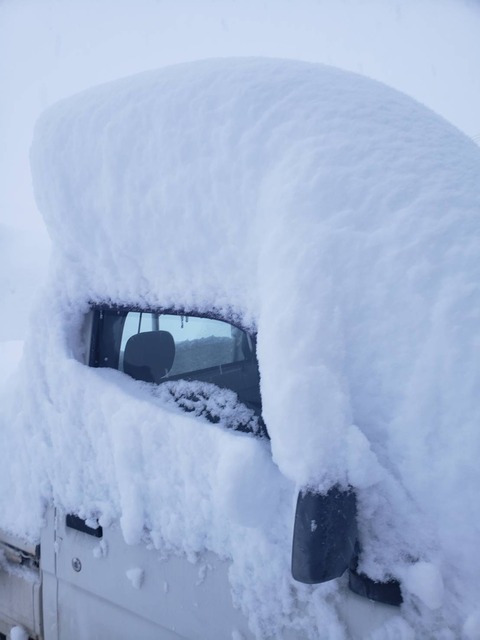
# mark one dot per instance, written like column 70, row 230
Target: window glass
column 200, row 343
column 168, row 347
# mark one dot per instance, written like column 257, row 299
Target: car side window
column 168, row 347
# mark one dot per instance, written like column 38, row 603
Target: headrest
column 149, row 355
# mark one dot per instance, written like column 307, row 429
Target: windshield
column 164, row 347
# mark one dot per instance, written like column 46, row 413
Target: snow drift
column 338, row 218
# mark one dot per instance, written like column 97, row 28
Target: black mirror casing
column 325, row 535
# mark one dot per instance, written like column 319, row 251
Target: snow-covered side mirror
column 325, row 535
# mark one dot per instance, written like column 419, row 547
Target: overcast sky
column 50, row 49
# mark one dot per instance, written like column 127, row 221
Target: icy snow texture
column 136, row 577
column 339, row 218
column 206, row 400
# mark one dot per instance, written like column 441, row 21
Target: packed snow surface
column 341, row 221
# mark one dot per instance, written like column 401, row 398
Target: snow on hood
column 338, row 218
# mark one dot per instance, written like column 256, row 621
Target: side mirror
column 324, row 536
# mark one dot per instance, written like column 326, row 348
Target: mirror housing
column 325, row 535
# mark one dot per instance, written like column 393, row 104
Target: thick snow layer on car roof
column 340, row 219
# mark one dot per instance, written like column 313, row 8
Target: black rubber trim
column 384, row 592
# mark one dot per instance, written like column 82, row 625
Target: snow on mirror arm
column 207, row 365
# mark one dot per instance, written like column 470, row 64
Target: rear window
column 160, row 347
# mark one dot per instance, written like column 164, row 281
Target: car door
column 97, row 585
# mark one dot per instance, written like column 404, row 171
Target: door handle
column 74, row 522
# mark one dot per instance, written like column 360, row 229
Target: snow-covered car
column 249, row 396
